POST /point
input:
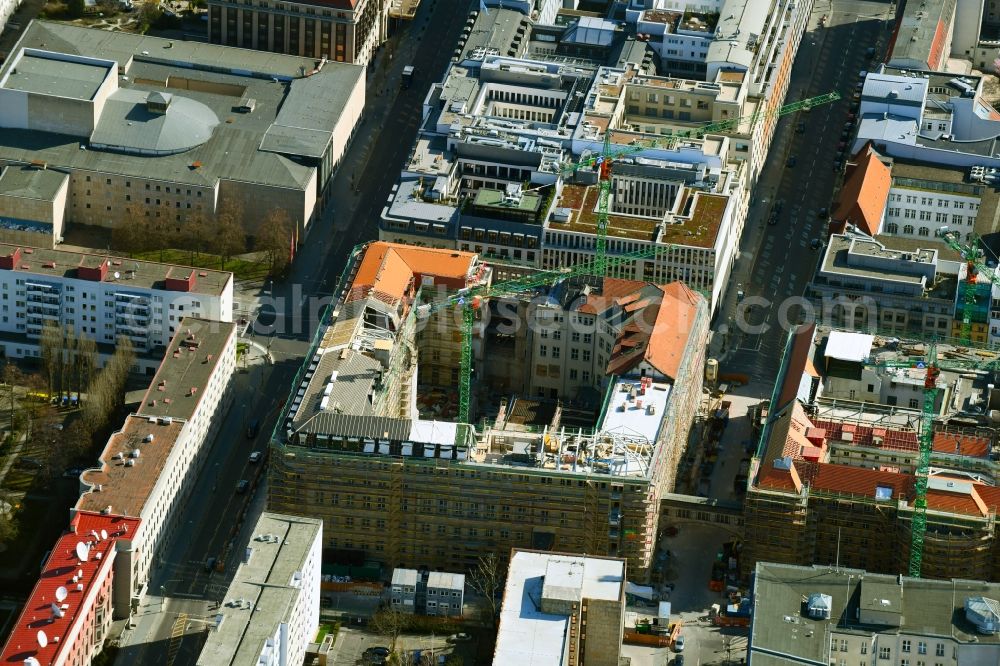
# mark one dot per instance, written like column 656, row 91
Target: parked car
column 210, row 563
column 815, row 243
column 73, row 472
column 376, row 655
column 253, row 429
column 459, row 638
column 679, row 644
column 256, row 456
column 791, row 161
column 242, row 486
column 800, row 128
column 823, row 212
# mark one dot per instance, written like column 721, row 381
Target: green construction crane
column 974, row 269
column 471, row 299
column 933, row 365
column 604, row 161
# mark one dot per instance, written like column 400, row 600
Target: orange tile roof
column 865, row 192
column 58, row 571
column 801, row 349
column 773, row 478
column 961, row 444
column 390, row 269
column 612, row 290
column 860, row 481
column 660, row 333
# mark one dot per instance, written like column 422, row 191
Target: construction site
column 442, row 416
column 879, row 454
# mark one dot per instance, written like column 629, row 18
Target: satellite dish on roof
column 31, row 661
column 82, row 552
column 118, row 275
column 104, row 535
column 43, row 640
column 61, row 593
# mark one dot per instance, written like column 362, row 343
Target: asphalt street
column 778, row 261
column 169, row 627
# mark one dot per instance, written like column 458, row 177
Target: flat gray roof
column 127, row 123
column 927, row 607
column 182, row 378
column 836, row 259
column 132, row 274
column 239, row 148
column 497, row 29
column 40, row 73
column 264, row 583
column 30, row 182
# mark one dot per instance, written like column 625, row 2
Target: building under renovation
column 834, row 480
column 407, row 488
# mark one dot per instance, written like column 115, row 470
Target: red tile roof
column 865, row 192
column 961, row 444
column 59, row 571
column 892, row 439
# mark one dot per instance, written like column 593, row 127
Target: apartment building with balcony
column 104, row 298
column 174, row 139
column 148, row 467
column 335, row 30
column 408, row 480
column 67, row 617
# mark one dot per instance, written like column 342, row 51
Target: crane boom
column 471, row 299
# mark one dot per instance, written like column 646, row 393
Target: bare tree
column 8, row 521
column 51, row 353
column 230, row 237
column 487, row 580
column 86, row 363
column 274, row 239
column 106, row 391
column 389, row 623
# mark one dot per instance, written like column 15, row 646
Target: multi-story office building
column 820, row 615
column 132, row 133
column 924, row 198
column 833, row 480
column 561, row 608
column 405, row 478
column 865, row 283
column 930, row 117
column 339, row 31
column 148, row 467
column 67, row 618
column 270, row 613
column 922, row 38
column 104, row 298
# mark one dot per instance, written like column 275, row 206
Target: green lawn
column 243, row 269
column 325, row 629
